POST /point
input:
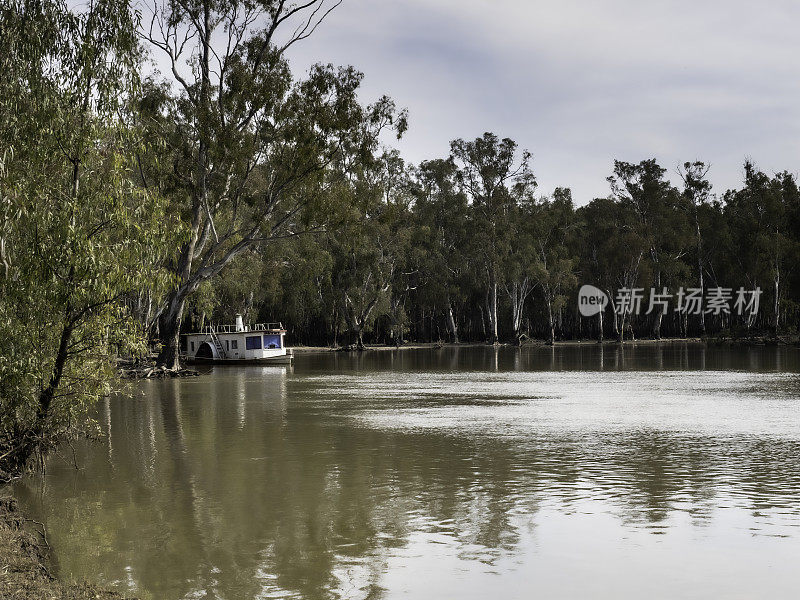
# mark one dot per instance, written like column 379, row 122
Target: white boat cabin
column 263, row 342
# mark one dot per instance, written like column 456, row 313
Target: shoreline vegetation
column 716, row 341
column 24, row 562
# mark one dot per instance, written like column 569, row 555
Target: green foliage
column 76, row 231
column 763, row 217
column 498, row 183
column 441, row 235
column 552, row 228
column 252, row 155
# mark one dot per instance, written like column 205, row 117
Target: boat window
column 253, row 342
column 192, row 346
column 235, row 344
column 272, row 341
column 227, row 345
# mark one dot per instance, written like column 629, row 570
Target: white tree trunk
column 451, row 323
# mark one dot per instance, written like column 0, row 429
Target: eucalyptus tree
column 242, row 287
column 760, row 217
column 613, row 251
column 521, row 263
column 394, row 179
column 662, row 222
column 553, row 224
column 441, row 239
column 76, row 232
column 297, row 288
column 696, row 193
column 367, row 250
column 251, row 149
column 496, row 179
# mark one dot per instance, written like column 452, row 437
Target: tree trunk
column 657, row 323
column 360, row 339
column 776, row 315
column 32, row 441
column 700, row 270
column 451, row 323
column 516, row 312
column 600, row 327
column 660, row 315
column 492, row 310
column 552, row 339
column 170, row 328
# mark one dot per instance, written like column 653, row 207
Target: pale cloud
column 580, row 83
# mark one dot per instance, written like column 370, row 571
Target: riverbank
column 146, row 369
column 784, row 340
column 24, row 574
column 526, row 344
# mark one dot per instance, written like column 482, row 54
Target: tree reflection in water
column 311, row 481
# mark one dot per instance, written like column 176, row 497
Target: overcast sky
column 580, row 82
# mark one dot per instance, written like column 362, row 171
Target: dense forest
column 463, row 248
column 162, row 167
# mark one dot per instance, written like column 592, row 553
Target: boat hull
column 270, row 360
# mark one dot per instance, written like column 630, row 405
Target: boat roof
column 226, row 329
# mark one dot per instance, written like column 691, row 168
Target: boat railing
column 213, row 329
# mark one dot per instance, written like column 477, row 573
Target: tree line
column 465, row 248
column 162, row 167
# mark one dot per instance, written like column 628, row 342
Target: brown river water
column 571, row 472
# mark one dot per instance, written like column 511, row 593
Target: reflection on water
column 568, row 472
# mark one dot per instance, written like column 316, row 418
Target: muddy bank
column 754, row 340
column 24, row 574
column 525, row 344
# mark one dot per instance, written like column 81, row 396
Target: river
column 658, row 471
